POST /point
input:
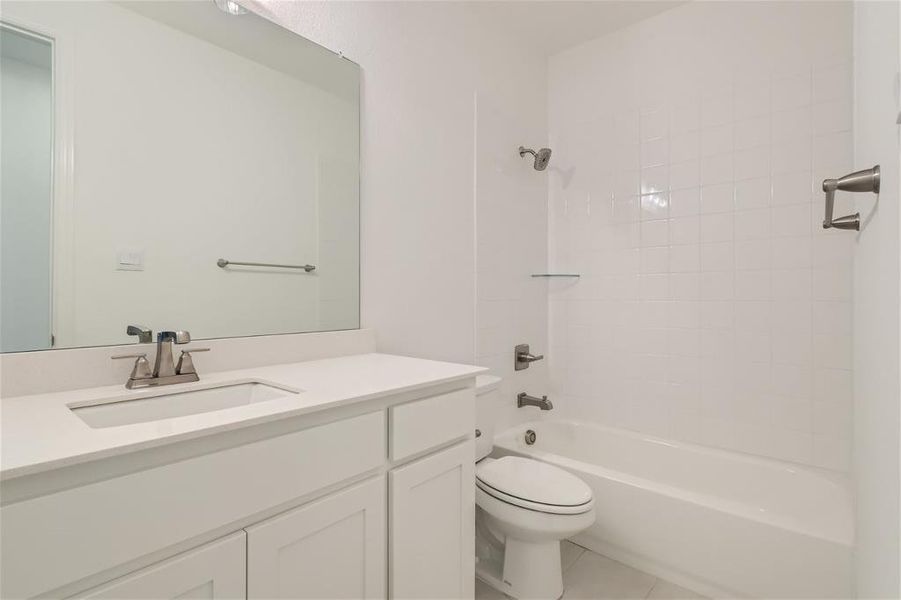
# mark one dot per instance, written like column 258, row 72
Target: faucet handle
column 141, row 368
column 186, row 363
column 145, row 334
column 178, row 337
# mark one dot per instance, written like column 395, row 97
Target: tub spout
column 523, row 399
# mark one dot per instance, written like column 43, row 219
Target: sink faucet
column 523, row 399
column 165, row 364
column 165, row 371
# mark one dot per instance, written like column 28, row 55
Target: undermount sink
column 159, row 404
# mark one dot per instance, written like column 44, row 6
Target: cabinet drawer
column 54, row 540
column 215, row 570
column 423, row 424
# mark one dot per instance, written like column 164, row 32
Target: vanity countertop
column 40, row 432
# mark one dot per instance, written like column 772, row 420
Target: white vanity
column 358, row 485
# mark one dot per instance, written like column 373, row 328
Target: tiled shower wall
column 688, row 155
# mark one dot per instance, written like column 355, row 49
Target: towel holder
column 866, row 180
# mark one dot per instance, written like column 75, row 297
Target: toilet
column 524, row 509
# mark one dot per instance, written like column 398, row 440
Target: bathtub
column 721, row 523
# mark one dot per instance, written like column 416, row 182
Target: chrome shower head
column 542, row 157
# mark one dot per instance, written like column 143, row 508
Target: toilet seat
column 534, row 485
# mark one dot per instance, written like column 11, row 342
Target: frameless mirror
column 147, row 149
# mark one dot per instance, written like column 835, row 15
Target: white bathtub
column 722, row 523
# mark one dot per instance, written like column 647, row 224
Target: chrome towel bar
column 224, row 263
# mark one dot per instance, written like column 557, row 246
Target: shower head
column 542, row 157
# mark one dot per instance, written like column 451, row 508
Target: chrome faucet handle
column 140, row 370
column 145, row 334
column 177, row 337
column 522, row 357
column 186, row 363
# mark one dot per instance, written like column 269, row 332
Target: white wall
column 187, row 152
column 422, row 65
column 876, row 302
column 27, row 124
column 712, row 307
column 511, row 245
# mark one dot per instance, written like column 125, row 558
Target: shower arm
column 523, row 151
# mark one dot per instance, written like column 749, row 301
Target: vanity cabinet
column 368, row 501
column 330, row 548
column 432, row 532
column 215, row 571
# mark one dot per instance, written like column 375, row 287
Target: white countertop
column 40, row 432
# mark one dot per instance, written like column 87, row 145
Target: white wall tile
column 685, row 202
column 752, row 224
column 792, row 188
column 685, row 146
column 717, row 198
column 654, row 206
column 716, row 169
column 655, row 179
column 751, row 133
column 751, row 163
column 752, row 193
column 684, row 286
column 685, row 117
column 717, row 140
column 791, row 92
column 716, row 227
column 752, row 254
column 685, row 175
column 729, row 311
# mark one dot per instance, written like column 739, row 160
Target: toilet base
column 532, row 569
column 520, row 569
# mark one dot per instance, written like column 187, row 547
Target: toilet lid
column 533, row 482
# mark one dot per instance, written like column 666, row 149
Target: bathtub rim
column 508, row 440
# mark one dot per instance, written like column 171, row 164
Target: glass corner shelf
column 549, row 275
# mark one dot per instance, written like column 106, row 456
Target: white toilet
column 524, row 508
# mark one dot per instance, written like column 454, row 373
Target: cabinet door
column 432, row 546
column 330, row 548
column 215, row 570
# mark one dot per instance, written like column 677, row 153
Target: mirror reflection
column 150, row 148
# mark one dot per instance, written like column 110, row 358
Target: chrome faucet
column 523, row 399
column 165, row 365
column 165, row 371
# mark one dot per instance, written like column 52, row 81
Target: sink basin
column 160, row 404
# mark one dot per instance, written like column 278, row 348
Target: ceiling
column 554, row 25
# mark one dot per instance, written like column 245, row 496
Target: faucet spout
column 164, row 365
column 523, row 399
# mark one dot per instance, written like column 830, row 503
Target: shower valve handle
column 523, row 357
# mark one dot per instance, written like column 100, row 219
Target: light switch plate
column 130, row 260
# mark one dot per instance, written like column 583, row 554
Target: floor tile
column 664, row 590
column 486, row 592
column 569, row 553
column 594, row 577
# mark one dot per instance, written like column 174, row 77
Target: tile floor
column 590, row 576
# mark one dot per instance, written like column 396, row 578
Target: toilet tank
column 487, row 404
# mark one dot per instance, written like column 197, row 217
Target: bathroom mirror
column 150, row 147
